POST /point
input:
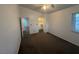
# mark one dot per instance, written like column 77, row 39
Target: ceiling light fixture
column 44, row 7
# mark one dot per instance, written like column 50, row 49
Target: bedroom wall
column 9, row 29
column 59, row 24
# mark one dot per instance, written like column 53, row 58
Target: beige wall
column 9, row 29
column 10, row 35
column 33, row 19
column 60, row 24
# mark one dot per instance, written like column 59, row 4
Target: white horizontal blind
column 76, row 22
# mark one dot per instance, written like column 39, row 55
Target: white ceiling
column 36, row 7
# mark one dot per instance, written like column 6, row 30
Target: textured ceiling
column 36, row 7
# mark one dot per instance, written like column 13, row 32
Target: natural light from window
column 76, row 22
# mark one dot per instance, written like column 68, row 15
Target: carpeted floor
column 45, row 43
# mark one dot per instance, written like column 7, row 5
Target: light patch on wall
column 41, row 20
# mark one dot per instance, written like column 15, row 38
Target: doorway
column 24, row 24
column 41, row 23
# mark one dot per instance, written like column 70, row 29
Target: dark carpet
column 45, row 43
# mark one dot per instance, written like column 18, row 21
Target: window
column 76, row 22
